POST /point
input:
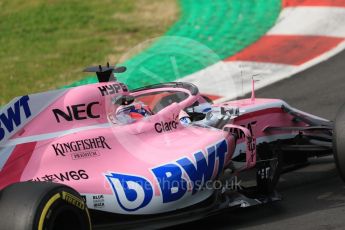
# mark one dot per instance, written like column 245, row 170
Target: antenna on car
column 253, row 87
column 241, row 66
column 105, row 73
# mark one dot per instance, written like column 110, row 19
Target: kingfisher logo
column 91, row 144
column 13, row 117
column 134, row 192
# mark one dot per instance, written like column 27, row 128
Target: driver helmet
column 127, row 110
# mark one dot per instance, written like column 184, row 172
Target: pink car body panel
column 65, row 136
column 37, row 149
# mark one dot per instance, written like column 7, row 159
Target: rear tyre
column 42, row 206
column 339, row 141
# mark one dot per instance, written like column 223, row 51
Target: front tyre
column 339, row 141
column 42, row 206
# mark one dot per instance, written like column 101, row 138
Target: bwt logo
column 12, row 118
column 131, row 192
column 135, row 192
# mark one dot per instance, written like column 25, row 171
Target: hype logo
column 132, row 192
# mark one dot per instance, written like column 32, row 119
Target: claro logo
column 165, row 126
column 14, row 116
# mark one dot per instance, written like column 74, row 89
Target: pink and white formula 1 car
column 100, row 156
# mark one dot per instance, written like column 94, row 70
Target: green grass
column 225, row 27
column 44, row 44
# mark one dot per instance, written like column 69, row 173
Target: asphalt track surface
column 313, row 197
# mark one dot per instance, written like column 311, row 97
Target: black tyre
column 42, row 206
column 339, row 141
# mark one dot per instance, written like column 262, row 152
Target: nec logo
column 76, row 112
column 12, row 117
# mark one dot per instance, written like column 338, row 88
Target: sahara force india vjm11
column 100, row 156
